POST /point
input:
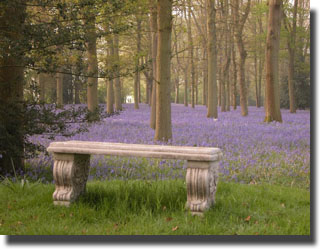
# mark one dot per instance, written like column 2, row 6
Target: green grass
column 155, row 208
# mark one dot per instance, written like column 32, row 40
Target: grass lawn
column 155, row 208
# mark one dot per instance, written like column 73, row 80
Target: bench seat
column 72, row 159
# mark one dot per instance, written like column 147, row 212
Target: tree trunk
column 191, row 55
column 186, row 85
column 163, row 123
column 154, row 28
column 110, row 107
column 136, row 89
column 12, row 20
column 117, row 84
column 291, row 49
column 42, row 88
column 176, row 99
column 92, row 88
column 272, row 62
column 77, row 89
column 205, row 78
column 242, row 53
column 212, row 60
column 59, row 89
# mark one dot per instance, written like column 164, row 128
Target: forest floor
column 263, row 188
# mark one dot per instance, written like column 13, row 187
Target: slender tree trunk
column 176, row 99
column 92, row 88
column 191, row 55
column 154, row 28
column 110, row 94
column 212, row 60
column 77, row 82
column 163, row 123
column 186, row 84
column 291, row 49
column 235, row 79
column 196, row 88
column 41, row 82
column 261, row 63
column 109, row 82
column 59, row 89
column 272, row 58
column 205, row 78
column 77, row 89
column 137, row 95
column 117, row 84
column 242, row 53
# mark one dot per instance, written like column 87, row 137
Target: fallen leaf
column 248, row 218
column 256, row 222
column 71, row 214
column 257, row 233
column 175, row 228
column 84, row 231
column 164, row 208
column 19, row 223
column 168, row 219
column 282, row 205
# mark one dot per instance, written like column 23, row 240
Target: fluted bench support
column 201, row 179
column 72, row 159
column 70, row 173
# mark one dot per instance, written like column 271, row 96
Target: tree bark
column 205, row 78
column 163, row 123
column 212, row 60
column 109, row 82
column 117, row 84
column 59, row 80
column 92, row 88
column 12, row 20
column 191, row 55
column 42, row 88
column 154, row 28
column 137, row 92
column 242, row 53
column 291, row 49
column 272, row 62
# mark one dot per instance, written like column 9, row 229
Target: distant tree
column 163, row 107
column 240, row 20
column 137, row 91
column 154, row 44
column 291, row 28
column 212, row 60
column 272, row 62
column 117, row 82
column 92, row 85
column 191, row 67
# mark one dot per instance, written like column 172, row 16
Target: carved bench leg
column 201, row 182
column 70, row 173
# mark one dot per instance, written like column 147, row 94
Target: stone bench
column 72, row 160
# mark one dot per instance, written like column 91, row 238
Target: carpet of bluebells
column 254, row 152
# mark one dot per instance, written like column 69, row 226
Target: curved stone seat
column 72, row 159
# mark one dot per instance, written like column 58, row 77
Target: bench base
column 201, row 179
column 71, row 171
